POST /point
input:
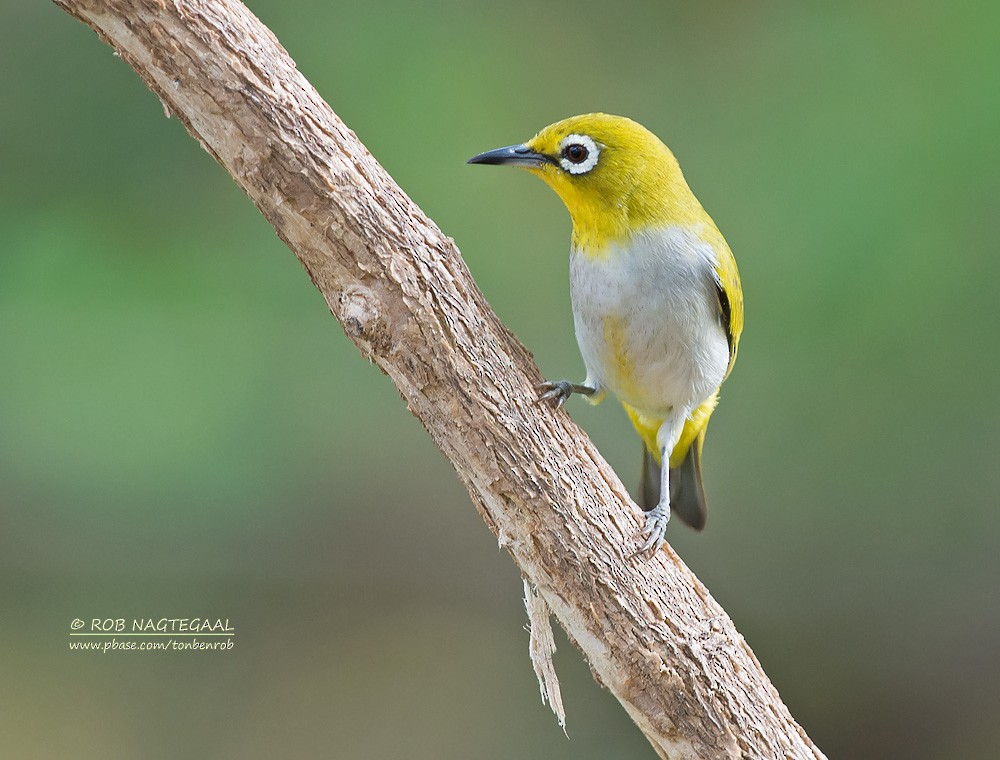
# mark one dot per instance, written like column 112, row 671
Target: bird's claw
column 555, row 390
column 655, row 529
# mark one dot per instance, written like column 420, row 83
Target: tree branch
column 652, row 633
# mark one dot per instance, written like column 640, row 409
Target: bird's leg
column 655, row 529
column 560, row 390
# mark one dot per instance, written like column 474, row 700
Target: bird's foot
column 655, row 530
column 557, row 391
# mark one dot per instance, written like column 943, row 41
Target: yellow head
column 614, row 175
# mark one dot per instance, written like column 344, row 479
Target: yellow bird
column 657, row 302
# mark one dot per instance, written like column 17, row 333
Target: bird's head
column 614, row 175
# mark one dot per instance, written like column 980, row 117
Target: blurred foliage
column 184, row 430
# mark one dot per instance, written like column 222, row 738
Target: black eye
column 576, row 153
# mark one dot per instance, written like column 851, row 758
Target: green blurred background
column 186, row 432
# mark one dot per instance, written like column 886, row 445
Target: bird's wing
column 730, row 292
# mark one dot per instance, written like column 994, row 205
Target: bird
column 656, row 297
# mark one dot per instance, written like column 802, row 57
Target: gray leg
column 655, row 529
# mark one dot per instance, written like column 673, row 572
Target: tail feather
column 687, row 490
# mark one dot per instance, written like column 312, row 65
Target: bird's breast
column 646, row 316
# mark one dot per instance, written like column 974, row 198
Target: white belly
column 647, row 321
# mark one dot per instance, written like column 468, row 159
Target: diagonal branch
column 652, row 633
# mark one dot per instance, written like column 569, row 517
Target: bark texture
column 652, row 633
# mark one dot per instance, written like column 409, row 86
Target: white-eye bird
column 657, row 302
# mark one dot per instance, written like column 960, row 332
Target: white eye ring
column 593, row 151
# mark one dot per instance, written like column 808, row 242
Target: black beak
column 512, row 155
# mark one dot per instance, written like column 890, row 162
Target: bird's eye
column 576, row 153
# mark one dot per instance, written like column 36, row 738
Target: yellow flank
column 615, row 339
column 694, row 428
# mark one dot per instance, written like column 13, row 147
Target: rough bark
column 652, row 633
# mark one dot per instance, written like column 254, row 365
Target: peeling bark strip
column 541, row 647
column 651, row 632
